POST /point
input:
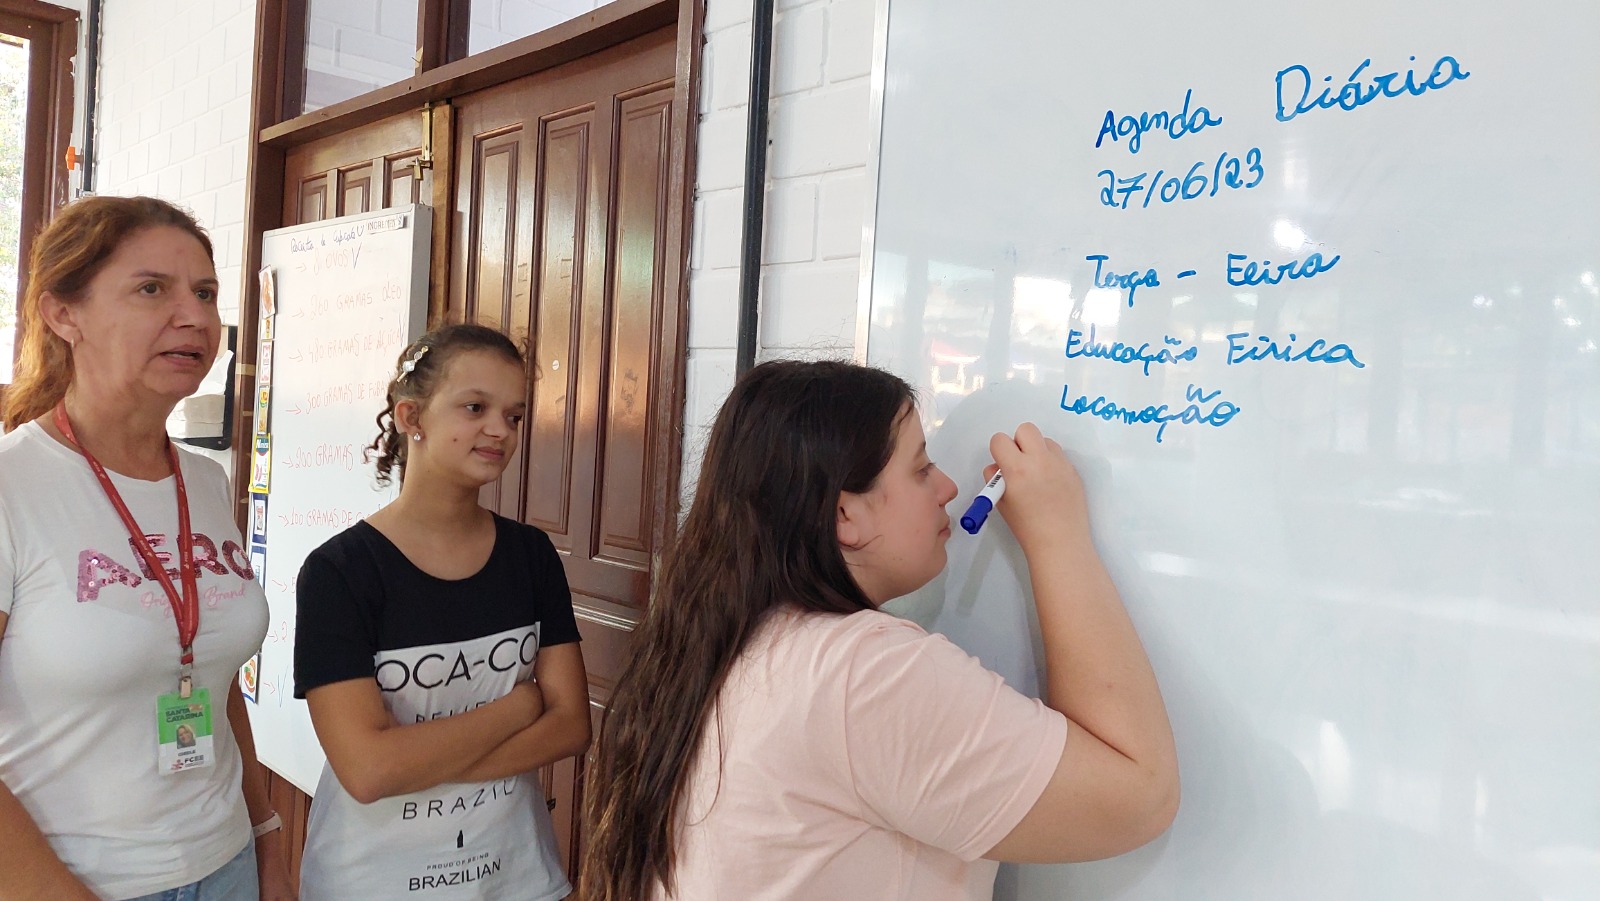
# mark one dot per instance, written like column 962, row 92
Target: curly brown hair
column 429, row 358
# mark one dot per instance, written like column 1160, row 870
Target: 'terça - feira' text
column 1242, row 272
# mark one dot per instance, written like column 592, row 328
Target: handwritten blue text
column 1295, row 82
column 1117, row 352
column 1176, row 125
column 1129, row 282
column 1228, row 171
column 1267, row 348
column 1201, row 408
column 1253, row 273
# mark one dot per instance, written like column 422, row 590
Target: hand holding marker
column 983, row 504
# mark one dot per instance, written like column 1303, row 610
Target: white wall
column 816, row 194
column 174, row 114
column 496, row 22
column 356, row 46
column 174, row 117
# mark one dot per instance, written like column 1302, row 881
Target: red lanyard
column 185, row 608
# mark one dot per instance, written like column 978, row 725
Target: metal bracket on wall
column 425, row 160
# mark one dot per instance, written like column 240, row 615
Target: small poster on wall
column 250, row 677
column 258, row 518
column 263, row 409
column 258, row 564
column 264, row 363
column 261, row 465
column 269, row 292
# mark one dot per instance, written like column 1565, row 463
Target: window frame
column 52, row 34
column 442, row 37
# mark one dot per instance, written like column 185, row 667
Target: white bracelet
column 267, row 825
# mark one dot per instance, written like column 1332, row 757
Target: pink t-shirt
column 860, row 758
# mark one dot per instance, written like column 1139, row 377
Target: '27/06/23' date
column 1228, row 171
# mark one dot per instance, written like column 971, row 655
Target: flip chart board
column 1310, row 295
column 351, row 293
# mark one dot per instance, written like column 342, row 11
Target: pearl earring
column 417, row 436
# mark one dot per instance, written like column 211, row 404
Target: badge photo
column 183, row 727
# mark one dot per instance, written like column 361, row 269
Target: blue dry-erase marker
column 983, row 504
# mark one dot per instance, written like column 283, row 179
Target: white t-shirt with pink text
column 89, row 645
column 858, row 757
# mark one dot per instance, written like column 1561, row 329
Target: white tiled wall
column 174, row 114
column 496, row 22
column 355, row 46
column 816, row 194
column 174, row 117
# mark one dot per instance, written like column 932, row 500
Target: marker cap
column 973, row 519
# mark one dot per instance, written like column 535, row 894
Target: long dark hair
column 428, row 357
column 762, row 533
column 66, row 257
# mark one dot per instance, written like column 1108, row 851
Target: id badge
column 183, row 729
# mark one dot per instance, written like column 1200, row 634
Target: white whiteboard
column 1370, row 593
column 352, row 292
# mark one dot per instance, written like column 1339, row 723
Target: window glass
column 496, row 22
column 13, row 123
column 356, row 46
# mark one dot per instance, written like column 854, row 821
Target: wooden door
column 563, row 187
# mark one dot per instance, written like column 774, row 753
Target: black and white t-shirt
column 436, row 647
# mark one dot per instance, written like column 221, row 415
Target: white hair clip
column 410, row 365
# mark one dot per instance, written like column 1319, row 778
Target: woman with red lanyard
column 127, row 602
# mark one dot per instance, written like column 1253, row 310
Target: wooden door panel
column 490, row 276
column 355, row 189
column 347, row 173
column 635, row 288
column 564, row 170
column 400, row 182
column 492, row 236
column 492, row 226
column 313, row 200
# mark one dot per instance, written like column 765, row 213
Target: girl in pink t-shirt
column 777, row 737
